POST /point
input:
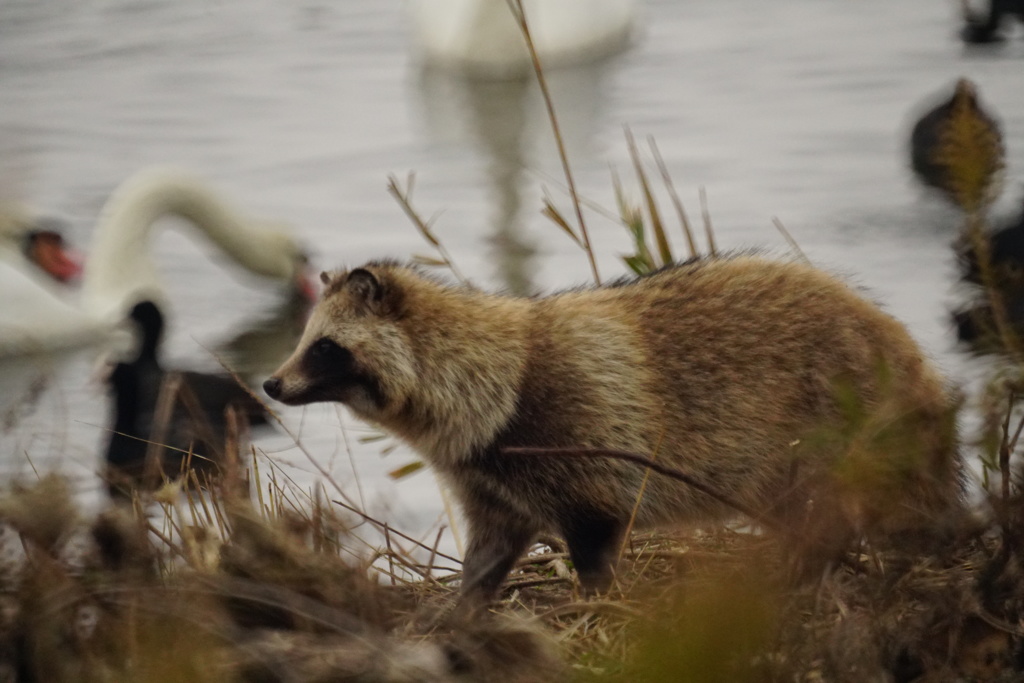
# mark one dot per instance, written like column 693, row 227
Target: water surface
column 796, row 109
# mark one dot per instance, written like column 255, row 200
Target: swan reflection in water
column 484, row 39
column 476, row 83
column 506, row 121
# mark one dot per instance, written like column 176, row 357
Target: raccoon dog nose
column 273, row 387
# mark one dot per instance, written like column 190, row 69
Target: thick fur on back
column 738, row 371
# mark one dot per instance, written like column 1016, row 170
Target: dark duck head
column 987, row 28
column 167, row 421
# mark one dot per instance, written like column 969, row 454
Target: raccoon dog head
column 353, row 350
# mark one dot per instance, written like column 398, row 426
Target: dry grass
column 243, row 596
column 205, row 586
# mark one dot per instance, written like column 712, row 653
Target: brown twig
column 593, row 607
column 384, row 526
column 646, row 462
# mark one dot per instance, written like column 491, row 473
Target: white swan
column 482, row 37
column 36, row 315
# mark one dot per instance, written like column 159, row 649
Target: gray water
column 796, row 109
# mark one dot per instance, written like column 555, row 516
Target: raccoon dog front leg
column 492, row 553
column 498, row 536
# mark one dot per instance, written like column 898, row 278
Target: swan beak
column 59, row 261
column 101, row 370
column 68, row 266
column 305, row 287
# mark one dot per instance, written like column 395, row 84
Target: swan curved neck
column 119, row 266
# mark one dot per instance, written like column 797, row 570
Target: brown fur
column 744, row 372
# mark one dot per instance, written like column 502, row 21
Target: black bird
column 195, row 405
column 1006, row 256
column 986, row 29
column 976, row 323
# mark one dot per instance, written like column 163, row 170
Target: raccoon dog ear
column 369, row 291
column 364, row 285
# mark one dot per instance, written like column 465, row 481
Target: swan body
column 483, row 37
column 33, row 306
column 37, row 316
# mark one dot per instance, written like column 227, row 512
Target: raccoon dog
column 746, row 373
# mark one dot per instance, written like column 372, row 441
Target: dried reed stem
column 384, row 527
column 639, row 498
column 664, row 249
column 789, row 238
column 684, row 220
column 524, row 25
column 706, row 217
column 404, row 198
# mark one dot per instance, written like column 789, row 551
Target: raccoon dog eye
column 326, row 350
